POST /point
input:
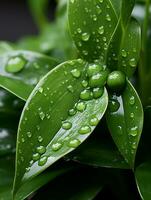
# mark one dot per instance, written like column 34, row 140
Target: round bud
column 116, row 81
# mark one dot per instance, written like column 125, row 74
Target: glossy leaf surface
column 143, row 177
column 130, row 48
column 93, row 28
column 21, row 70
column 99, row 151
column 125, row 122
column 52, row 129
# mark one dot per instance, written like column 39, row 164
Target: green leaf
column 129, row 54
column 92, row 24
column 5, row 47
column 125, row 122
column 98, row 151
column 81, row 184
column 143, row 177
column 31, row 186
column 127, row 7
column 125, row 45
column 6, row 177
column 41, row 127
column 21, row 70
column 38, row 10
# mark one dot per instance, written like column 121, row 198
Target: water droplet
column 133, row 131
column 36, row 156
column 86, row 95
column 74, row 143
column 93, row 69
column 114, row 105
column 108, row 18
column 132, row 100
column 85, row 36
column 124, row 53
column 15, row 64
column 66, row 125
column 41, row 149
column 81, row 106
column 94, row 121
column 40, row 139
column 84, row 83
column 133, row 62
column 42, row 161
column 29, row 134
column 134, row 145
column 42, row 115
column 76, row 73
column 98, row 92
column 84, row 130
column 97, row 80
column 72, row 112
column 40, row 90
column 70, row 88
column 56, row 146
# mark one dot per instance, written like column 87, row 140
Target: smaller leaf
column 130, row 48
column 125, row 122
column 92, row 24
column 20, row 71
column 143, row 177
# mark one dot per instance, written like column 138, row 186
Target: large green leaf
column 21, row 70
column 7, row 175
column 143, row 177
column 30, row 187
column 92, row 24
column 46, row 126
column 125, row 122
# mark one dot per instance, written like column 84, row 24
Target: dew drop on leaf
column 15, row 64
column 74, row 143
column 42, row 161
column 41, row 149
column 81, row 106
column 66, row 125
column 56, row 146
column 85, row 130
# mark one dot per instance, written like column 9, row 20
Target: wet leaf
column 21, row 70
column 125, row 122
column 143, row 177
column 60, row 122
column 93, row 28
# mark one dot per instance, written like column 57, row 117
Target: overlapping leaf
column 21, row 70
column 41, row 126
column 125, row 122
column 143, row 177
column 93, row 29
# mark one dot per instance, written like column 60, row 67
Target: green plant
column 82, row 109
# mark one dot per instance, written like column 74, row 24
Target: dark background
column 16, row 20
